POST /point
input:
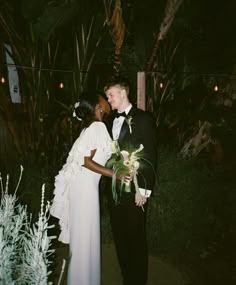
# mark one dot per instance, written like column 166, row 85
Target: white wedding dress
column 76, row 205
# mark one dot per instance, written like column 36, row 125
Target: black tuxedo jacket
column 144, row 131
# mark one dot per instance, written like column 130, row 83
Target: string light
column 161, row 84
column 61, row 85
column 40, row 68
column 149, row 72
column 216, row 88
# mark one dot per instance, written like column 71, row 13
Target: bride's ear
column 98, row 112
column 105, row 106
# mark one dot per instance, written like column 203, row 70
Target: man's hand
column 126, row 177
column 140, row 200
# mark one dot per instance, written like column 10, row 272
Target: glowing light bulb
column 3, row 80
column 216, row 88
column 161, row 85
column 61, row 85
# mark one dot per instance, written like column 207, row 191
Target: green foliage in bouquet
column 24, row 247
column 124, row 162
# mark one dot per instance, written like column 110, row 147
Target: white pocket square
column 145, row 192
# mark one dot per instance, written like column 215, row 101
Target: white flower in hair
column 74, row 113
column 76, row 104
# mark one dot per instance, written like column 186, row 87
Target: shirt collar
column 126, row 110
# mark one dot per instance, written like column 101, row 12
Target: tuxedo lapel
column 109, row 124
column 109, row 128
column 123, row 131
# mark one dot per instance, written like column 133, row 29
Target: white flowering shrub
column 24, row 246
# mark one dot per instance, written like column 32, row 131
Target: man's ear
column 123, row 93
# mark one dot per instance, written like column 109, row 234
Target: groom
column 128, row 218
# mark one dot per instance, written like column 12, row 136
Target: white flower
column 125, row 155
column 129, row 122
column 136, row 164
column 74, row 115
column 141, row 147
column 77, row 104
column 114, row 147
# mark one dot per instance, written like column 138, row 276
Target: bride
column 76, row 194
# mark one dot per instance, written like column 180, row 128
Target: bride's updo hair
column 85, row 108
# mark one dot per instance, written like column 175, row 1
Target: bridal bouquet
column 124, row 162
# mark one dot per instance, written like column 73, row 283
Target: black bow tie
column 123, row 114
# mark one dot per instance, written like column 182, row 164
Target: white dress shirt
column 118, row 122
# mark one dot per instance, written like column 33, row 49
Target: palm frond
column 171, row 9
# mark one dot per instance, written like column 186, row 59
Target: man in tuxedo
column 128, row 217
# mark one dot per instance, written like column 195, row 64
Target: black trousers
column 129, row 231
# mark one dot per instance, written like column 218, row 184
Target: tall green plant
column 171, row 9
column 36, row 49
column 86, row 42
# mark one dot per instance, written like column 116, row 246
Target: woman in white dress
column 76, row 200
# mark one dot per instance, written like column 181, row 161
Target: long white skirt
column 84, row 217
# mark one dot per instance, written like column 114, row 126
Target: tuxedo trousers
column 128, row 223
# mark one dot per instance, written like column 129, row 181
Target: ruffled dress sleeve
column 95, row 136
